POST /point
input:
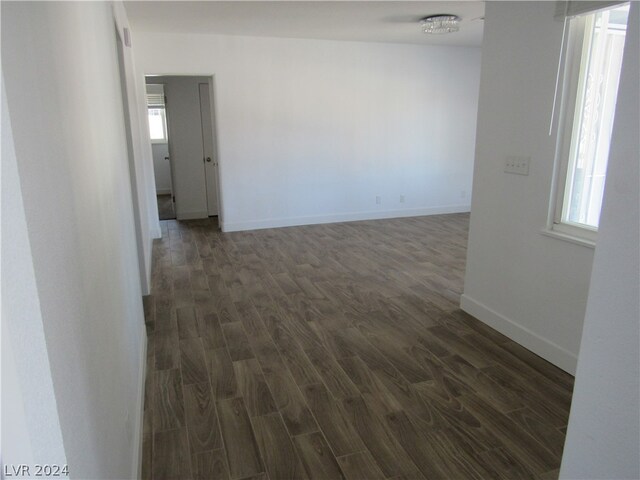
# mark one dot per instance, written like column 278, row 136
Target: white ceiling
column 369, row 21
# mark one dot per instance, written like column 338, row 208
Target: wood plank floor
column 336, row 351
column 165, row 207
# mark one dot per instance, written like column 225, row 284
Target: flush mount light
column 435, row 24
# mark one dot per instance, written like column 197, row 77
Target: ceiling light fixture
column 435, row 24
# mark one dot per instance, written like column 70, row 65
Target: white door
column 210, row 162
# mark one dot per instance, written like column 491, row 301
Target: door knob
column 208, row 159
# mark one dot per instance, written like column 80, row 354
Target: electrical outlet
column 401, row 198
column 517, row 164
column 378, row 200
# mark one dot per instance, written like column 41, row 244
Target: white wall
column 603, row 439
column 529, row 286
column 312, row 131
column 161, row 168
column 60, row 67
column 30, row 425
column 142, row 171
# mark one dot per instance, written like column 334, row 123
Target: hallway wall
column 65, row 109
column 28, row 400
column 143, row 171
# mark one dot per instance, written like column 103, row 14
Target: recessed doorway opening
column 182, row 134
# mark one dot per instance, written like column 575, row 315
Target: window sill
column 568, row 238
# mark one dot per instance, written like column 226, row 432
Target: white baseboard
column 541, row 346
column 342, row 217
column 139, row 421
column 163, row 191
column 191, row 215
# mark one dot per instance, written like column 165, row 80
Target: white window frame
column 577, row 53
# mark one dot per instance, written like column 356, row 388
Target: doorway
column 158, row 133
column 185, row 157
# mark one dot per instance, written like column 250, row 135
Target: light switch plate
column 517, row 164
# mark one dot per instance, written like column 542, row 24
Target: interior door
column 210, row 162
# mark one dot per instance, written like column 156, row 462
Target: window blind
column 155, row 95
column 155, row 100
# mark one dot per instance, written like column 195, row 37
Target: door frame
column 166, row 118
column 214, row 126
column 214, row 152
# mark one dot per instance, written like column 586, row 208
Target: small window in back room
column 156, row 113
column 592, row 72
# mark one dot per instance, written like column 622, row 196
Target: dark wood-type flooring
column 336, row 351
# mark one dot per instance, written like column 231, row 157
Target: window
column 156, row 114
column 157, row 125
column 592, row 72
